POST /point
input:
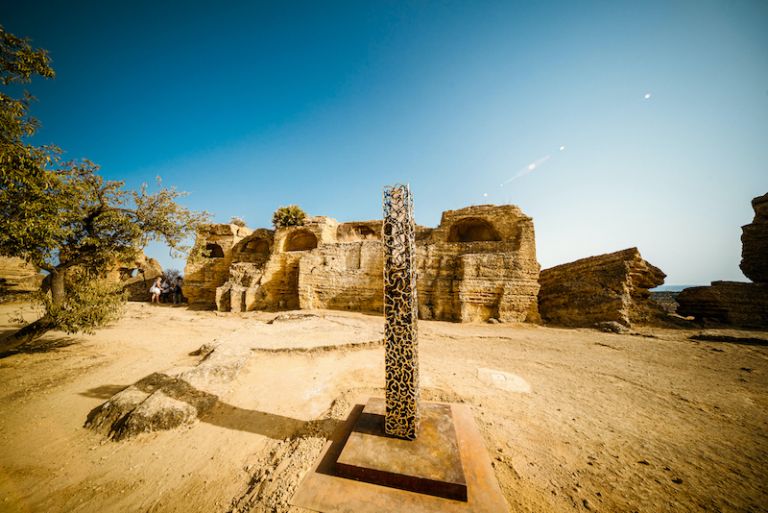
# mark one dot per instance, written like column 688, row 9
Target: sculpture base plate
column 323, row 489
column 429, row 464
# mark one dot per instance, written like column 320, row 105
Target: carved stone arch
column 300, row 240
column 473, row 229
column 254, row 249
column 213, row 250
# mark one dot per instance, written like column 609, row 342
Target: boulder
column 727, row 302
column 611, row 287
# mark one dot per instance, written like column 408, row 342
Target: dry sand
column 574, row 420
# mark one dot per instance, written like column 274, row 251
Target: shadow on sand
column 39, row 346
column 126, row 422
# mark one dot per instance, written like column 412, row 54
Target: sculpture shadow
column 104, row 391
column 115, row 416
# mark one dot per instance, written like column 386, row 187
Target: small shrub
column 237, row 220
column 292, row 215
column 92, row 302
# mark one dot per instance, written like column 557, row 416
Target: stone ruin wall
column 480, row 263
column 136, row 275
column 209, row 268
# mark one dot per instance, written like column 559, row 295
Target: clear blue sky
column 321, row 104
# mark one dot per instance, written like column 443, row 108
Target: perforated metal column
column 401, row 314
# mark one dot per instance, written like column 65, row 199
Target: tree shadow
column 40, row 346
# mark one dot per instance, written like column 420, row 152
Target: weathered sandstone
column 737, row 303
column 480, row 263
column 610, row 287
column 16, row 276
column 208, row 268
column 136, row 275
column 727, row 302
column 754, row 243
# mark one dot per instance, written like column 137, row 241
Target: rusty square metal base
column 403, row 481
column 430, row 464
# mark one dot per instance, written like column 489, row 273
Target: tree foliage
column 292, row 215
column 91, row 302
column 171, row 275
column 63, row 216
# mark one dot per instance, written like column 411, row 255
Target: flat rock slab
column 430, row 464
column 322, row 489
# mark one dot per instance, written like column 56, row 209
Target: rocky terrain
column 574, row 419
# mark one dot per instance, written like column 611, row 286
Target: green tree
column 64, row 217
column 292, row 215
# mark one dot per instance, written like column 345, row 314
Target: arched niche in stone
column 300, row 240
column 254, row 250
column 213, row 250
column 473, row 229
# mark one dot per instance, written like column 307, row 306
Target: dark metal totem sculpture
column 401, row 314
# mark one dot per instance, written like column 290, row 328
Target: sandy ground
column 574, row 420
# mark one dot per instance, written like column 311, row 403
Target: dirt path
column 575, row 420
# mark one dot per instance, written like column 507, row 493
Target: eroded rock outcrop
column 727, row 302
column 754, row 243
column 136, row 275
column 479, row 263
column 18, row 276
column 737, row 303
column 610, row 287
column 165, row 400
column 209, row 267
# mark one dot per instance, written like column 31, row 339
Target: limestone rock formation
column 737, row 303
column 610, row 287
column 727, row 302
column 754, row 243
column 209, row 268
column 170, row 399
column 344, row 276
column 17, row 276
column 480, row 263
column 136, row 275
